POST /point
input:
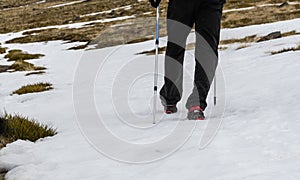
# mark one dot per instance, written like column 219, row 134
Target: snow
column 66, row 4
column 41, row 2
column 261, row 30
column 258, row 137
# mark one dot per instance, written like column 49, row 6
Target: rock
column 76, row 18
column 111, row 13
column 3, row 68
column 273, row 35
column 283, row 4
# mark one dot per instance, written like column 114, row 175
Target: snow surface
column 258, row 139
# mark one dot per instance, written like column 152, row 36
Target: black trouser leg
column 207, row 24
column 180, row 21
column 183, row 14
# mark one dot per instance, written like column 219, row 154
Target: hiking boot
column 170, row 109
column 195, row 113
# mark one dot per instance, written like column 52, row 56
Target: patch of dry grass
column 246, row 39
column 5, row 4
column 14, row 55
column 286, row 50
column 78, row 47
column 260, row 15
column 39, row 15
column 236, row 4
column 242, row 46
column 2, row 174
column 290, row 33
column 161, row 50
column 222, row 48
column 14, row 127
column 35, row 73
column 2, row 50
column 21, row 65
column 33, row 88
column 84, row 34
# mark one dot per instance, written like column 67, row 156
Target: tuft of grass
column 14, row 55
column 2, row 50
column 242, row 46
column 290, row 33
column 161, row 50
column 14, row 127
column 140, row 40
column 246, row 39
column 21, row 65
column 33, row 88
column 78, row 47
column 35, row 73
column 222, row 48
column 286, row 50
column 2, row 174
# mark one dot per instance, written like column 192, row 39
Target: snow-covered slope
column 259, row 137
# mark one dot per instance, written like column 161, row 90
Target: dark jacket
column 218, row 1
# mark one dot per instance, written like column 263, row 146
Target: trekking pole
column 215, row 90
column 156, row 65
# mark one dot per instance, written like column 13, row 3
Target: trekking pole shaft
column 215, row 90
column 156, row 65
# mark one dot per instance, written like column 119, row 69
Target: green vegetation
column 14, row 127
column 14, row 55
column 286, row 50
column 33, row 88
column 21, row 65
